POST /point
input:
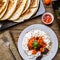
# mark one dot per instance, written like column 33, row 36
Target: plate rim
column 39, row 25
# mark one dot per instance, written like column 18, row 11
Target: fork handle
column 12, row 54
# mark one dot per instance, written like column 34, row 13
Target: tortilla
column 27, row 6
column 30, row 12
column 19, row 10
column 11, row 8
column 3, row 4
column 3, row 12
column 34, row 3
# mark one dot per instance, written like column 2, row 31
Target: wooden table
column 16, row 30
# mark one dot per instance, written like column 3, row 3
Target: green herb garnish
column 35, row 44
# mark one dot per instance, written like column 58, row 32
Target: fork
column 7, row 43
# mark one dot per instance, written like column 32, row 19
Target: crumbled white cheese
column 31, row 34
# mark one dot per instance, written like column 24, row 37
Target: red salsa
column 47, row 18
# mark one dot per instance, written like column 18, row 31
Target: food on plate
column 47, row 18
column 19, row 10
column 3, row 7
column 36, row 44
column 47, row 2
column 30, row 12
column 11, row 8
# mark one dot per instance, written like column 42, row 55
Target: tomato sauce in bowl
column 47, row 18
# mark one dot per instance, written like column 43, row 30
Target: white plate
column 53, row 36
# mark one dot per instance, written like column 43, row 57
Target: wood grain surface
column 16, row 30
column 5, row 53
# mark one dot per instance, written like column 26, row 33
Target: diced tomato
column 40, row 40
column 30, row 42
column 29, row 45
column 40, row 43
column 43, row 45
column 34, row 51
column 41, row 49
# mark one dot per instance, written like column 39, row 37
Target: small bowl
column 47, row 16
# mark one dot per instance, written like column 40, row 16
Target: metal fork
column 7, row 43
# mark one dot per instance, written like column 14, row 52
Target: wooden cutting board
column 5, row 54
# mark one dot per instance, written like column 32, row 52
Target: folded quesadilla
column 3, row 7
column 3, row 4
column 26, row 6
column 30, row 12
column 11, row 8
column 19, row 9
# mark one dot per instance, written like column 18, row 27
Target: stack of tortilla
column 17, row 10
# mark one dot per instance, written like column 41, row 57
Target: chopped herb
column 35, row 44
